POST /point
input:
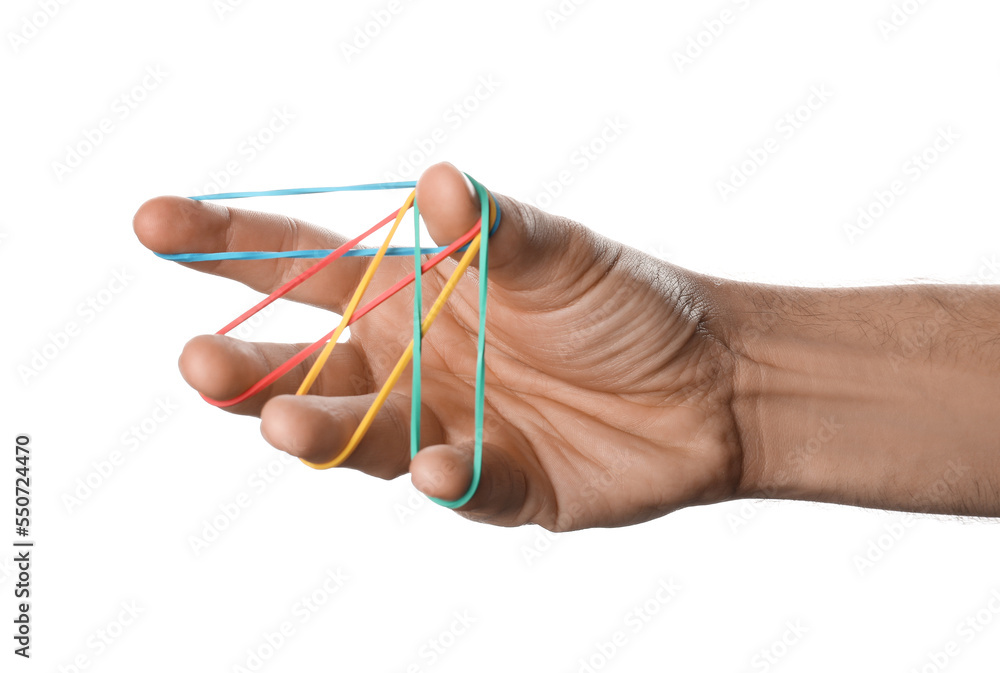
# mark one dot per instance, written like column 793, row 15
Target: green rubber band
column 477, row 460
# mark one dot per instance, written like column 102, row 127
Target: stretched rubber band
column 421, row 327
column 371, row 186
column 190, row 257
column 471, row 243
column 297, row 359
column 308, row 273
column 395, row 251
column 402, row 363
column 355, row 300
column 319, row 253
column 486, row 204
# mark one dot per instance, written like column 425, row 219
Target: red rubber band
column 296, row 359
column 311, row 271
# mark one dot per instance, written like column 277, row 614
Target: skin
column 619, row 387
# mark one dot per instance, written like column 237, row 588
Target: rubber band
column 421, row 327
column 371, row 186
column 355, row 300
column 471, row 243
column 190, row 257
column 403, row 361
column 308, row 273
column 396, row 251
column 486, row 204
column 297, row 359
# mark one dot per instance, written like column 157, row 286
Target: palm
column 600, row 399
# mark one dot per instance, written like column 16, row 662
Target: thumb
column 530, row 249
column 445, row 471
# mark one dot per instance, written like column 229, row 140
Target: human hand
column 607, row 402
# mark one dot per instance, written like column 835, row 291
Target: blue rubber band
column 307, row 254
column 372, row 186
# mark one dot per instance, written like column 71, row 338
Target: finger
column 502, row 496
column 221, row 368
column 172, row 224
column 530, row 250
column 317, row 429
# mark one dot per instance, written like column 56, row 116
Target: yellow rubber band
column 397, row 371
column 317, row 367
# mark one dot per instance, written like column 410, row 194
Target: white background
column 871, row 590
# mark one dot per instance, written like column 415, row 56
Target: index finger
column 173, row 224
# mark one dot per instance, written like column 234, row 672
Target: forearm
column 883, row 397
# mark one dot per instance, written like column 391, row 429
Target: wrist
column 879, row 397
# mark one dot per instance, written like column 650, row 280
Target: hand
column 607, row 400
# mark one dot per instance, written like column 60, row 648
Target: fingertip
column 442, row 471
column 172, row 224
column 275, row 419
column 211, row 364
column 294, row 424
column 525, row 247
column 447, row 201
column 282, row 422
column 151, row 222
column 197, row 360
